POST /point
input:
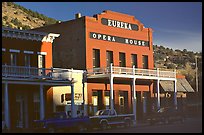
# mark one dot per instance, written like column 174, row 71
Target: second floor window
column 96, row 58
column 27, row 60
column 13, row 59
column 109, row 58
column 145, row 61
column 122, row 62
column 134, row 59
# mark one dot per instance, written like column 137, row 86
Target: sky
column 176, row 25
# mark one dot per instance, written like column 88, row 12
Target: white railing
column 131, row 71
column 36, row 73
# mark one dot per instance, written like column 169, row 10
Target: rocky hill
column 16, row 16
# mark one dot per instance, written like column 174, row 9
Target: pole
column 196, row 74
column 196, row 81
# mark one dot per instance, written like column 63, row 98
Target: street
column 190, row 125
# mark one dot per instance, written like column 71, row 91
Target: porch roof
column 182, row 85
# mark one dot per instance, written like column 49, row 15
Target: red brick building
column 93, row 43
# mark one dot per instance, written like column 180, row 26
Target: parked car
column 62, row 121
column 109, row 118
column 165, row 115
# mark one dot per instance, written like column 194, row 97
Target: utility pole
column 196, row 73
column 197, row 96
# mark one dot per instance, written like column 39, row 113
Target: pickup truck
column 61, row 121
column 165, row 115
column 109, row 118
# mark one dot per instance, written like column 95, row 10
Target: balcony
column 126, row 72
column 33, row 73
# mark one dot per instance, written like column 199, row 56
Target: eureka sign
column 119, row 24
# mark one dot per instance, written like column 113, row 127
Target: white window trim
column 28, row 52
column 42, row 53
column 13, row 50
column 3, row 49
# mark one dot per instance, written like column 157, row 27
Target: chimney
column 78, row 15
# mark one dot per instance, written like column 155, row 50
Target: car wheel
column 51, row 130
column 127, row 123
column 81, row 128
column 104, row 125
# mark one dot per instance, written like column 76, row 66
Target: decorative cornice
column 29, row 35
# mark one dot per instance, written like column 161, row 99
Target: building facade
column 28, row 77
column 117, row 51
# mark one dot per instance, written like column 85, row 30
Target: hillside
column 16, row 16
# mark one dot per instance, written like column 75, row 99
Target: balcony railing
column 132, row 71
column 36, row 73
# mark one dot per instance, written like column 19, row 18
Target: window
column 96, row 58
column 109, row 58
column 41, row 61
column 41, row 64
column 122, row 62
column 13, row 59
column 27, row 60
column 145, row 61
column 134, row 59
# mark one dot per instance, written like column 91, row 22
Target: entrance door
column 20, row 107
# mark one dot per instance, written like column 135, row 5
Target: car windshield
column 99, row 112
column 102, row 112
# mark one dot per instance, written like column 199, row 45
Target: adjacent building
column 29, row 81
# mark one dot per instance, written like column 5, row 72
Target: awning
column 182, row 85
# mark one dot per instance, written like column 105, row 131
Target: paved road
column 190, row 125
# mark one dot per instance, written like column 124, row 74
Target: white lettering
column 109, row 22
column 139, row 42
column 104, row 37
column 126, row 41
column 94, row 35
column 109, row 38
column 135, row 42
column 143, row 43
column 125, row 25
column 113, row 39
column 130, row 27
column 118, row 24
column 114, row 23
column 121, row 25
column 99, row 36
column 131, row 41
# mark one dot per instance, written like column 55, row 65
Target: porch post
column 158, row 91
column 158, row 95
column 175, row 93
column 42, row 107
column 134, row 93
column 111, row 88
column 73, row 114
column 6, row 107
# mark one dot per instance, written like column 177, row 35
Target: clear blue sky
column 176, row 25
